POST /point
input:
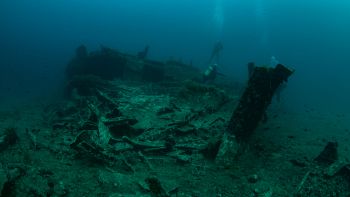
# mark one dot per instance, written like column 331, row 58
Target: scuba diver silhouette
column 211, row 72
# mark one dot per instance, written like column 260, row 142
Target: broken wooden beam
column 256, row 98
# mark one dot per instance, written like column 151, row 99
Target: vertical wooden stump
column 250, row 110
column 256, row 98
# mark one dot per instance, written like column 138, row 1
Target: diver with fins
column 211, row 72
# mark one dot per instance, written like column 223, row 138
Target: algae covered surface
column 132, row 136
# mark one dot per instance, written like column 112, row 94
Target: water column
column 218, row 25
column 261, row 23
column 263, row 31
column 218, row 18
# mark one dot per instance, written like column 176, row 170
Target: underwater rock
column 329, row 154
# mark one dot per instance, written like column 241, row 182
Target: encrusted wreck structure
column 131, row 126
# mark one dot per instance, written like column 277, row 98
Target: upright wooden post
column 256, row 98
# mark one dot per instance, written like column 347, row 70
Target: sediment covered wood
column 256, row 98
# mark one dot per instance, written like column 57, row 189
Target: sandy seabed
column 278, row 162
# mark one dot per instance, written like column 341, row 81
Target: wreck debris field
column 174, row 99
